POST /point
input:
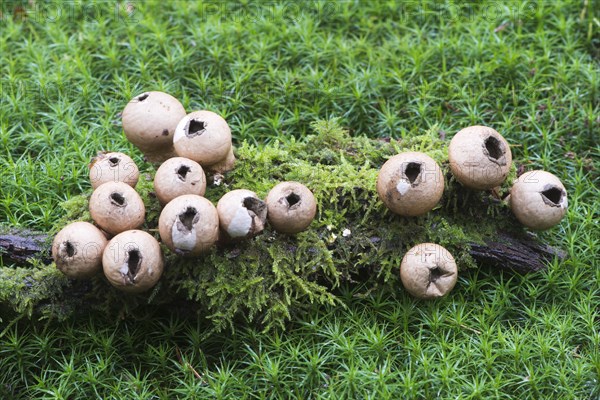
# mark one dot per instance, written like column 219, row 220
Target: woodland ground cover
column 387, row 70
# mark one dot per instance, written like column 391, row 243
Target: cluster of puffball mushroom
column 411, row 184
column 191, row 145
column 186, row 145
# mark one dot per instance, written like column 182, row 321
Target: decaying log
column 506, row 252
column 17, row 246
column 525, row 254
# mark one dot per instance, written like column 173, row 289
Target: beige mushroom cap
column 116, row 207
column 77, row 250
column 291, row 207
column 241, row 214
column 410, row 183
column 538, row 199
column 133, row 261
column 113, row 167
column 189, row 225
column 480, row 158
column 428, row 271
column 203, row 136
column 149, row 121
column 179, row 176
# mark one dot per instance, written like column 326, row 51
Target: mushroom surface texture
column 224, row 165
column 178, row 176
column 291, row 207
column 189, row 225
column 480, row 158
column 203, row 136
column 428, row 271
column 116, row 207
column 77, row 250
column 241, row 214
column 538, row 199
column 113, row 167
column 410, row 183
column 132, row 261
column 149, row 122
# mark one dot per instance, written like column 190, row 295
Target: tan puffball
column 178, row 176
column 224, row 165
column 291, row 207
column 538, row 199
column 428, row 271
column 113, row 167
column 189, row 225
column 204, row 137
column 116, row 207
column 241, row 214
column 149, row 121
column 410, row 183
column 133, row 261
column 480, row 158
column 77, row 250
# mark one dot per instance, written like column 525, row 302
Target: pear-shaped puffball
column 116, row 207
column 410, row 183
column 480, row 158
column 149, row 121
column 77, row 250
column 113, row 167
column 428, row 271
column 132, row 261
column 189, row 225
column 538, row 199
column 178, row 176
column 291, row 207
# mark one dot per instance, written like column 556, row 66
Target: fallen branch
column 18, row 246
column 522, row 254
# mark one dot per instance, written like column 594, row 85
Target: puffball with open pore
column 480, row 158
column 113, row 167
column 428, row 271
column 116, row 207
column 538, row 199
column 410, row 183
column 203, row 136
column 149, row 121
column 291, row 207
column 241, row 214
column 132, row 261
column 189, row 225
column 77, row 250
column 179, row 176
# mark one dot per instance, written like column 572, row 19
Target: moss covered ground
column 321, row 92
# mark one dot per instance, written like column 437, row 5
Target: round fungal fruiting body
column 189, row 225
column 77, row 250
column 116, row 207
column 428, row 271
column 410, row 184
column 149, row 121
column 241, row 214
column 113, row 167
column 179, row 176
column 132, row 261
column 480, row 158
column 224, row 165
column 291, row 207
column 538, row 199
column 204, row 137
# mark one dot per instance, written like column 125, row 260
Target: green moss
column 274, row 275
